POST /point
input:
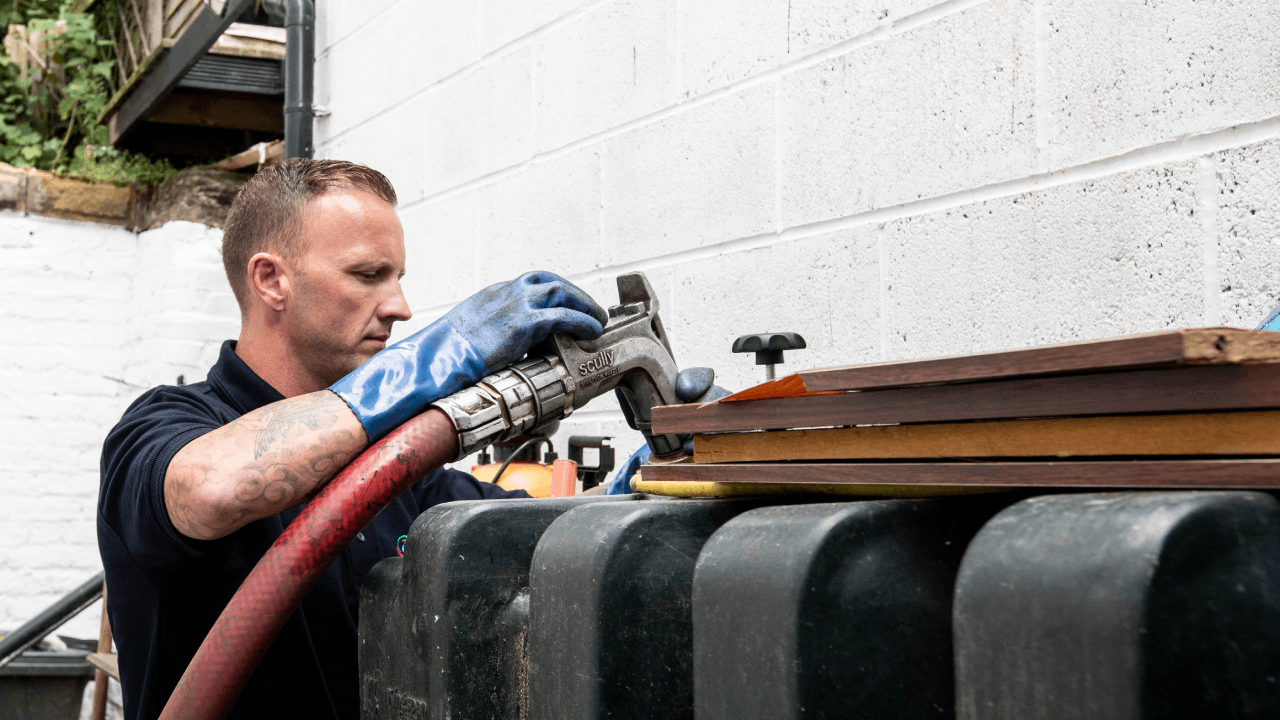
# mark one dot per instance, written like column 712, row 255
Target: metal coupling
column 632, row 357
column 520, row 398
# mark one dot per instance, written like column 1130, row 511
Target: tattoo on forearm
column 298, row 446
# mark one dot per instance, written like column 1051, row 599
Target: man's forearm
column 267, row 461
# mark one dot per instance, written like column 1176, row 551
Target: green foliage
column 48, row 119
column 102, row 162
column 22, row 11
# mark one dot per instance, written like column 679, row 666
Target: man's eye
column 369, row 275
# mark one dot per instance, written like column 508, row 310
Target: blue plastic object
column 485, row 333
column 1272, row 322
column 621, row 484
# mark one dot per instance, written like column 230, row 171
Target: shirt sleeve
column 135, row 459
column 447, row 485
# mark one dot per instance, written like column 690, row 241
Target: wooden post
column 155, row 22
column 99, row 676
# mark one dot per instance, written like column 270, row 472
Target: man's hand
column 267, row 461
column 484, row 334
column 504, row 320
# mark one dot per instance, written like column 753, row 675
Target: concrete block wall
column 899, row 179
column 90, row 317
column 895, row 180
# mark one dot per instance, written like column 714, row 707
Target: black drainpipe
column 299, row 66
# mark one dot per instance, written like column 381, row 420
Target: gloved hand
column 485, row 333
column 692, row 385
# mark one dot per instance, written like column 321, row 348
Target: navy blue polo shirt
column 166, row 590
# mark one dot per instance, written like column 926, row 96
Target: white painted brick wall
column 939, row 108
column 895, row 179
column 549, row 215
column 1174, row 67
column 90, row 316
column 1244, row 197
column 479, row 122
column 696, row 178
column 613, row 63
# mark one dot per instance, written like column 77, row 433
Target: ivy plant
column 48, row 119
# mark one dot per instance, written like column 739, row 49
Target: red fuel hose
column 290, row 568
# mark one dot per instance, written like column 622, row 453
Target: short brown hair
column 266, row 212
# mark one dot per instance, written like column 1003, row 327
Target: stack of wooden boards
column 1178, row 409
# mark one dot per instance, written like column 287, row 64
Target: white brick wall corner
column 92, row 316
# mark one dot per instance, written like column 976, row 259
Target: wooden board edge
column 1175, row 389
column 789, row 386
column 1192, row 346
column 1183, row 474
column 106, row 662
column 1226, row 346
column 1231, row 433
column 734, row 489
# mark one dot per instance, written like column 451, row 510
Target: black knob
column 768, row 347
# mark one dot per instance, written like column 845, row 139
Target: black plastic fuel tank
column 1067, row 606
column 1122, row 606
column 442, row 630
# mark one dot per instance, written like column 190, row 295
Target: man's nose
column 395, row 307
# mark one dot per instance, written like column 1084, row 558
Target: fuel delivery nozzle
column 632, row 357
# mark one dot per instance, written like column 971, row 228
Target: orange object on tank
column 564, row 478
column 559, row 479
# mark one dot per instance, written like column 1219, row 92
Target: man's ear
column 269, row 280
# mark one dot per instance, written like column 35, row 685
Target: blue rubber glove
column 621, row 484
column 692, row 385
column 482, row 335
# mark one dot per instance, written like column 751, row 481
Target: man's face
column 345, row 293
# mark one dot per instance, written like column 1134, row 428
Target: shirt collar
column 238, row 384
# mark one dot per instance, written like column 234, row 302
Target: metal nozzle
column 632, row 356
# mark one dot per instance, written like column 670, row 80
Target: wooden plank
column 260, row 154
column 235, row 112
column 1190, row 474
column 277, row 35
column 171, row 7
column 1230, row 433
column 175, row 21
column 99, row 710
column 107, row 662
column 155, row 22
column 740, row 489
column 234, row 46
column 1211, row 346
column 1179, row 389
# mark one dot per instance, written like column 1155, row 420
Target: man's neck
column 273, row 362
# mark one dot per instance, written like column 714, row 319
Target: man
column 199, row 480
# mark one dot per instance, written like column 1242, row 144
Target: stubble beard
column 324, row 354
column 325, row 359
